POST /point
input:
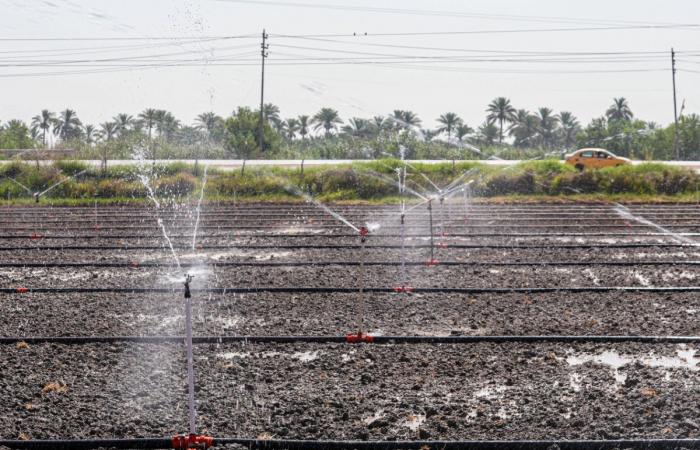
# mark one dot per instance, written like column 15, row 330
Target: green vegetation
column 368, row 181
column 507, row 133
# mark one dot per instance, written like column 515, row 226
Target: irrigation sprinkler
column 432, row 261
column 360, row 336
column 191, row 440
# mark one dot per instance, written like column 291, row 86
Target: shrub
column 179, row 184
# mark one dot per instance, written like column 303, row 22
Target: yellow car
column 594, row 158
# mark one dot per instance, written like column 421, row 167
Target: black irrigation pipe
column 331, row 235
column 280, row 444
column 136, row 264
column 347, row 246
column 343, row 339
column 340, row 290
column 317, row 226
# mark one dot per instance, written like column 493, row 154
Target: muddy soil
column 343, row 391
column 332, row 391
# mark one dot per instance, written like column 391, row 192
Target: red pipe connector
column 364, row 232
column 358, row 338
column 134, row 264
column 22, row 290
column 192, row 441
column 406, row 289
column 441, row 245
column 35, row 236
column 432, row 262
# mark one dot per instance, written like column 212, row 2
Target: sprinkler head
column 364, row 232
column 403, row 218
column 188, row 279
column 36, row 197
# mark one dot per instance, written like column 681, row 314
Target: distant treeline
column 506, row 133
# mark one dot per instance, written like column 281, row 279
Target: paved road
column 231, row 164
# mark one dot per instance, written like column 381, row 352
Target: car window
column 603, row 155
column 586, row 154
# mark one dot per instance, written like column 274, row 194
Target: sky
column 104, row 57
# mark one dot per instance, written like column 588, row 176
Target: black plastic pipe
column 84, row 444
column 295, row 290
column 355, row 263
column 261, row 444
column 92, row 235
column 342, row 246
column 636, row 444
column 342, row 339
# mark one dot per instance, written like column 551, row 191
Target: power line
column 501, row 31
column 443, row 13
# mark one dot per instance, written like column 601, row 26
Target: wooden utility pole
column 676, row 149
column 263, row 52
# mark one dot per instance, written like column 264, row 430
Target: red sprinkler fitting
column 364, row 232
column 134, row 264
column 441, row 245
column 35, row 236
column 406, row 289
column 22, row 290
column 192, row 441
column 432, row 262
column 358, row 338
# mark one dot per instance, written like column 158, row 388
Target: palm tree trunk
column 500, row 134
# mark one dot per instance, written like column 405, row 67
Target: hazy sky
column 381, row 78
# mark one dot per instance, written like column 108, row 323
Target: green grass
column 545, row 180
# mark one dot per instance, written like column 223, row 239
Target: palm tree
column 303, row 126
column 44, row 122
column 463, row 131
column 569, row 127
column 619, row 110
column 523, row 128
column 89, row 133
column 404, row 119
column 271, row 113
column 449, row 122
column 124, row 122
column 148, row 118
column 292, row 128
column 502, row 111
column 358, row 127
column 487, row 133
column 547, row 125
column 326, row 118
column 108, row 130
column 166, row 124
column 208, row 122
column 67, row 126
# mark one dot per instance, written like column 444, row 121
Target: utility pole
column 676, row 149
column 263, row 52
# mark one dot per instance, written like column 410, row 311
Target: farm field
column 490, row 322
